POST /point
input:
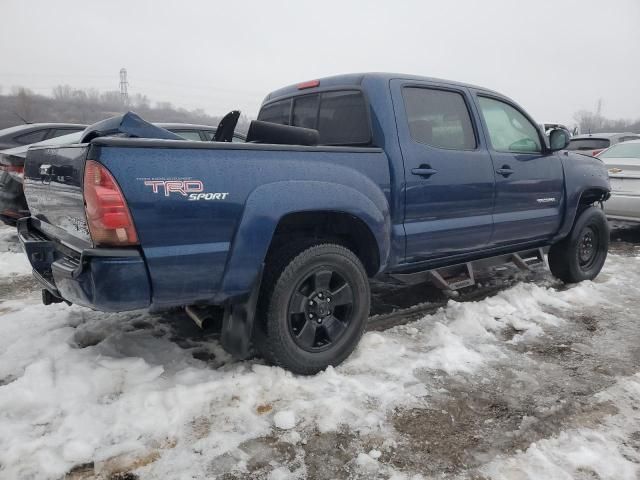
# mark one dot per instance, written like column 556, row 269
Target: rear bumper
column 109, row 280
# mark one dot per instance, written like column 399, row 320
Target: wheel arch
column 586, row 181
column 331, row 225
column 359, row 218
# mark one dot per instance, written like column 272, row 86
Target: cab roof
column 356, row 79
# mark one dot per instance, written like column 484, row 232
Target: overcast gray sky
column 554, row 57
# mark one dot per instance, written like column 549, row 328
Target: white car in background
column 623, row 162
column 594, row 143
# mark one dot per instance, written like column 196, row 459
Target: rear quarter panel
column 188, row 243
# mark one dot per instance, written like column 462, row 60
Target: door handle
column 424, row 171
column 505, row 171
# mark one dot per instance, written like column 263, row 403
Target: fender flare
column 269, row 203
column 580, row 177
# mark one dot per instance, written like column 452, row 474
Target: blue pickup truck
column 341, row 179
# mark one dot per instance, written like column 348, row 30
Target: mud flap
column 237, row 323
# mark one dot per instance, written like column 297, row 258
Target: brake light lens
column 595, row 153
column 16, row 171
column 108, row 216
column 309, row 84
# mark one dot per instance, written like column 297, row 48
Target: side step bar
column 455, row 277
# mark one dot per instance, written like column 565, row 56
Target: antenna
column 20, row 117
column 124, row 84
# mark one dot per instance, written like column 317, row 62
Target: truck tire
column 582, row 254
column 313, row 307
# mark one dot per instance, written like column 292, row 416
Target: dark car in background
column 12, row 201
column 594, row 143
column 35, row 132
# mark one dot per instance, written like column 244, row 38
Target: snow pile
column 78, row 386
column 8, row 237
column 12, row 260
column 608, row 453
column 14, row 264
column 284, row 420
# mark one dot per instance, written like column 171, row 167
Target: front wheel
column 582, row 254
column 315, row 304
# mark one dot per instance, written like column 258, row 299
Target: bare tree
column 24, row 104
column 62, row 92
column 68, row 104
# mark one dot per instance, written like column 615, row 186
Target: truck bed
column 187, row 198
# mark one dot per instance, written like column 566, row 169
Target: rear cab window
column 276, row 112
column 340, row 116
column 588, row 143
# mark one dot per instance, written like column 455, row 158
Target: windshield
column 588, row 143
column 623, row 150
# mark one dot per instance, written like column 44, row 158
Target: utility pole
column 124, row 84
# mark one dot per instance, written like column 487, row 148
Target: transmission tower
column 124, row 85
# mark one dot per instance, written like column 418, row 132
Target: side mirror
column 558, row 139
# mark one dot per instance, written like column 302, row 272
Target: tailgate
column 53, row 180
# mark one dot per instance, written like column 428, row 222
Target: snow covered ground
column 534, row 381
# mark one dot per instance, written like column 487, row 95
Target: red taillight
column 11, row 213
column 595, row 153
column 309, row 84
column 13, row 170
column 108, row 216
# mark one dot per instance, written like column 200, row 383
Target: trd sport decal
column 192, row 189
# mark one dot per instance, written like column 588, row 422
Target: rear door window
column 439, row 118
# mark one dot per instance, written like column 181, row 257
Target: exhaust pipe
column 201, row 316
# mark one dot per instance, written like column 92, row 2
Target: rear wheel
column 315, row 303
column 582, row 254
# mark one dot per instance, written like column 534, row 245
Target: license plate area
column 625, row 185
column 40, row 251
